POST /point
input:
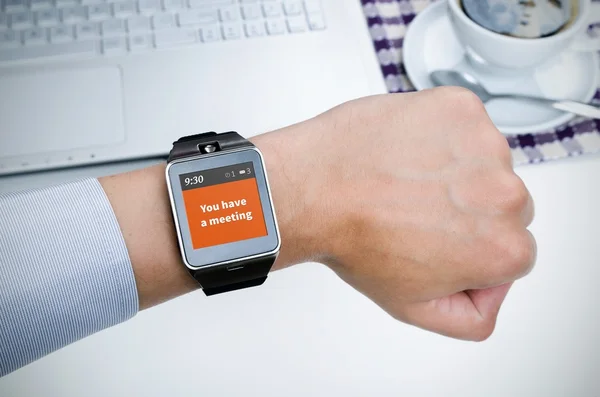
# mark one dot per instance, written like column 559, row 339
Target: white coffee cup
column 499, row 51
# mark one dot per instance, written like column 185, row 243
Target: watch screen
column 223, row 205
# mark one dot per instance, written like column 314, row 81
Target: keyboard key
column 21, row 20
column 255, row 29
column 47, row 17
column 163, row 21
column 15, row 5
column 197, row 17
column 87, row 30
column 210, row 33
column 124, row 8
column 34, row 36
column 3, row 22
column 293, row 7
column 65, row 3
column 212, row 3
column 232, row 31
column 198, row 4
column 73, row 14
column 297, row 24
column 82, row 48
column 316, row 22
column 139, row 42
column 61, row 33
column 138, row 24
column 114, row 45
column 229, row 14
column 40, row 4
column 312, row 6
column 170, row 38
column 251, row 11
column 272, row 10
column 99, row 12
column 276, row 26
column 113, row 27
column 172, row 4
column 149, row 6
column 9, row 39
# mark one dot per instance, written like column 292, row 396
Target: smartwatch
column 222, row 210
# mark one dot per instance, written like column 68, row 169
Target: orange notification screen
column 223, row 205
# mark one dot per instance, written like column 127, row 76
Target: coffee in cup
column 513, row 35
column 529, row 19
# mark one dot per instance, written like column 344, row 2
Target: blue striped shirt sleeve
column 65, row 272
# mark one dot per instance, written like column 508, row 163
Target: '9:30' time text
column 193, row 181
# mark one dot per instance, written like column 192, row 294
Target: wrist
column 149, row 233
column 302, row 224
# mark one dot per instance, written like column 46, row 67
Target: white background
column 306, row 333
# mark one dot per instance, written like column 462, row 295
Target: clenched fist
column 412, row 200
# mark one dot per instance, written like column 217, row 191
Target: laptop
column 95, row 81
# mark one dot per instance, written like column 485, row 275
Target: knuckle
column 499, row 145
column 465, row 100
column 512, row 194
column 516, row 254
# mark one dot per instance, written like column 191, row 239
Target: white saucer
column 431, row 44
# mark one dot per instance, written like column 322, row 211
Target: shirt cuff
column 65, row 272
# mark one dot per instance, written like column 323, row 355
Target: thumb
column 468, row 315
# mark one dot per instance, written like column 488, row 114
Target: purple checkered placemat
column 388, row 21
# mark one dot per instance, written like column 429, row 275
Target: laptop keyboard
column 39, row 29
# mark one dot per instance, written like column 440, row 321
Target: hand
column 412, row 200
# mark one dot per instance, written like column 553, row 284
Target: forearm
column 84, row 256
column 141, row 205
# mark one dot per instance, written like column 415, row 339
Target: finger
column 534, row 251
column 528, row 213
column 465, row 315
column 496, row 193
column 508, row 253
column 488, row 301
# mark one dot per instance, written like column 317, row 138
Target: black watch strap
column 242, row 274
column 208, row 142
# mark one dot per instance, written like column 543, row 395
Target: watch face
column 222, row 207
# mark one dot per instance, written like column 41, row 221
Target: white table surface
column 306, row 333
